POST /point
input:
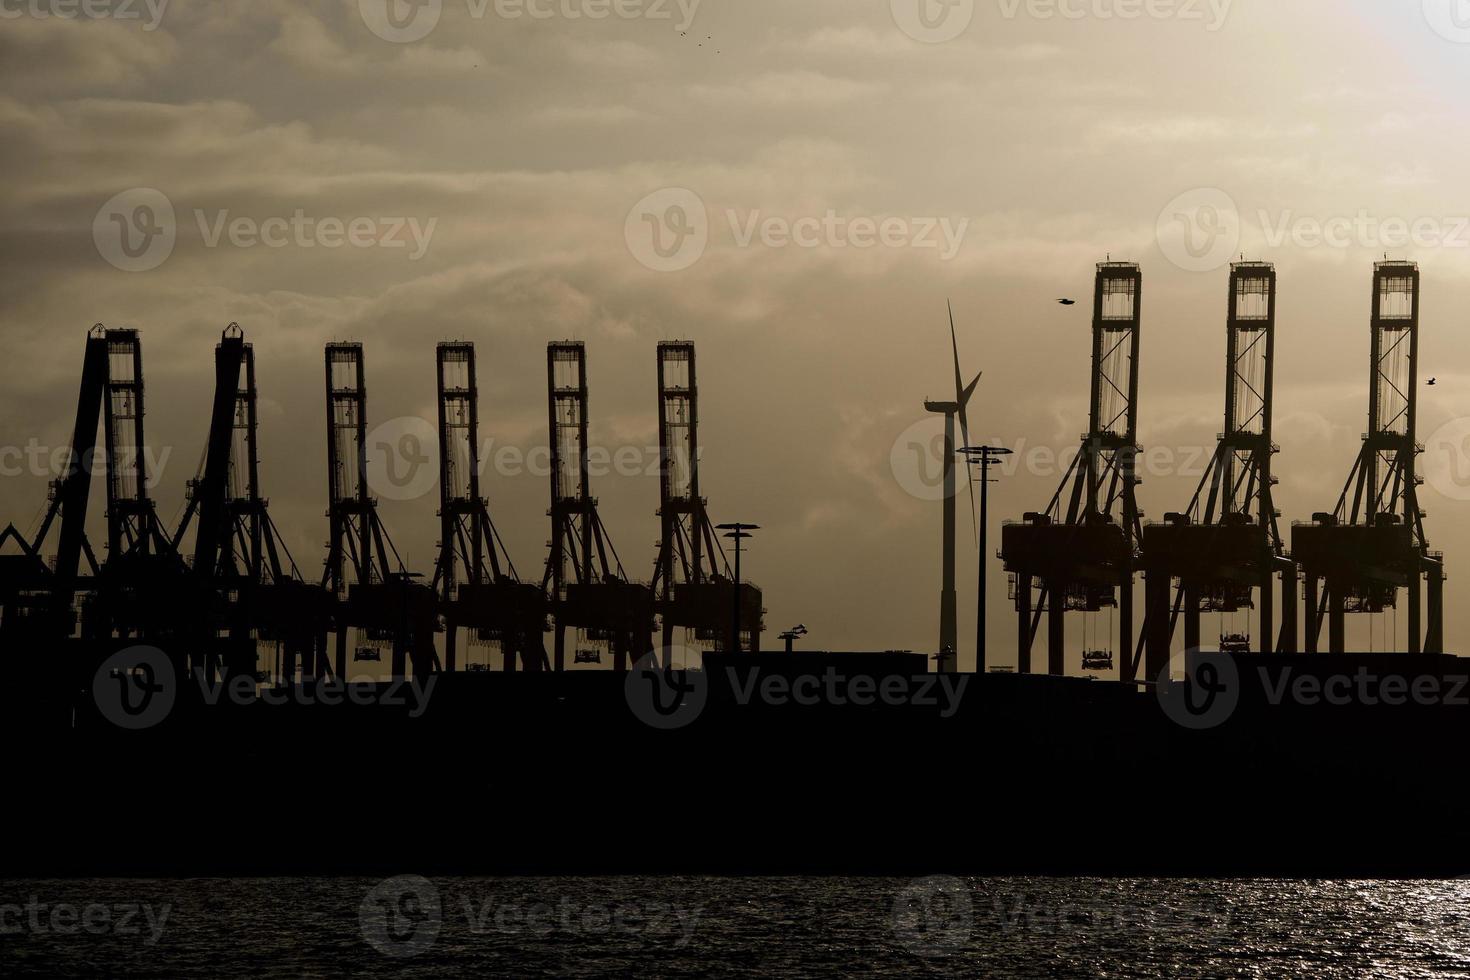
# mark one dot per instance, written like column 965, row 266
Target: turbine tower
column 949, row 631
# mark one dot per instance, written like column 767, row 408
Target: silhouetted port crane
column 373, row 591
column 1083, row 558
column 25, row 590
column 40, row 597
column 1357, row 558
column 1227, row 547
column 590, row 590
column 694, row 592
column 258, row 591
column 144, row 590
column 476, row 581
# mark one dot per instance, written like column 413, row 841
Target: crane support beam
column 1081, row 553
column 1359, row 557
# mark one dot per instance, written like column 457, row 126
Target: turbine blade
column 962, row 401
column 959, row 383
column 968, row 392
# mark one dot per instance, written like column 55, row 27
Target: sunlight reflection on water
column 994, row 927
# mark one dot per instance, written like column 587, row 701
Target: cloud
column 529, row 142
column 51, row 56
column 790, row 88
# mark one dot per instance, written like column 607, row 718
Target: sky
column 798, row 188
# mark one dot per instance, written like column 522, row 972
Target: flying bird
column 1067, row 302
column 1433, row 382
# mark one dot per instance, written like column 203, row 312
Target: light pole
column 739, row 533
column 404, row 641
column 986, row 456
column 792, row 635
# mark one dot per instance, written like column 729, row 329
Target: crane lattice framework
column 133, row 528
column 372, row 589
column 475, row 579
column 142, row 587
column 694, row 590
column 589, row 588
column 1227, row 546
column 1357, row 558
column 1082, row 559
column 258, row 591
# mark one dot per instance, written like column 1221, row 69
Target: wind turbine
column 948, row 616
